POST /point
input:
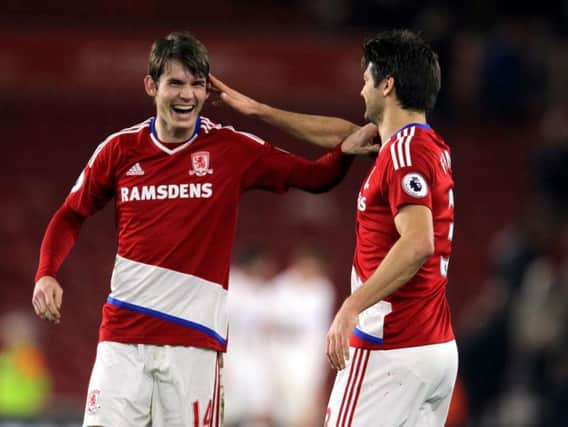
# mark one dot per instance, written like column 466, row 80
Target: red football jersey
column 176, row 212
column 413, row 167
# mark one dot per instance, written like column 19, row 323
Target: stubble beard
column 375, row 117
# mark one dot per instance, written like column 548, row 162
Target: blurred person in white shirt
column 302, row 299
column 246, row 373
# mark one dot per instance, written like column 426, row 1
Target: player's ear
column 389, row 85
column 150, row 86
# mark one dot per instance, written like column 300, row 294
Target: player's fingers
column 51, row 310
column 345, row 350
column 336, row 353
column 213, row 89
column 370, row 130
column 329, row 360
column 230, row 101
column 339, row 360
column 37, row 309
column 218, row 84
column 59, row 300
column 210, row 86
column 39, row 302
column 329, row 351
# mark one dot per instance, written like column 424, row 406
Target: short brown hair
column 182, row 47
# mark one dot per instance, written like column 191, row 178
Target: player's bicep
column 269, row 171
column 414, row 219
column 414, row 222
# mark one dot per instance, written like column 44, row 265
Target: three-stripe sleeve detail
column 400, row 149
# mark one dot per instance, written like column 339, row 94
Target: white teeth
column 183, row 107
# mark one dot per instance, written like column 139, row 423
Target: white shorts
column 387, row 388
column 142, row 385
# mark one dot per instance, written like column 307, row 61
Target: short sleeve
column 409, row 176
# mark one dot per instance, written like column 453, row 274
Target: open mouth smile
column 183, row 109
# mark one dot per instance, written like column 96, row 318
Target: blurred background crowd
column 71, row 74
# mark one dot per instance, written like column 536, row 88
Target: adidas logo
column 135, row 170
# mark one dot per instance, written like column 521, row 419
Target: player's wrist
column 41, row 275
column 350, row 305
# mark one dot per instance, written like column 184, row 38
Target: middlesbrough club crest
column 200, row 164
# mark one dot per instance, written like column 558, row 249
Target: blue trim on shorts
column 360, row 334
column 167, row 317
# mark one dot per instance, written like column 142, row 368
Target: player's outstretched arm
column 324, row 131
column 47, row 299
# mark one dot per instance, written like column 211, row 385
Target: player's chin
column 181, row 121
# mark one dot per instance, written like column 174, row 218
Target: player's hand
column 337, row 341
column 362, row 141
column 47, row 299
column 234, row 99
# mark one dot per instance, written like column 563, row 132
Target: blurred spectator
column 539, row 327
column 516, row 341
column 24, row 379
column 551, row 160
column 275, row 370
column 486, row 342
column 538, row 367
column 302, row 299
column 510, row 75
column 246, row 373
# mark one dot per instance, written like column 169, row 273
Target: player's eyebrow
column 174, row 80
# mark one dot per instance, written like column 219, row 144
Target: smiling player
column 176, row 180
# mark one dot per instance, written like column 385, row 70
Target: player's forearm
column 324, row 131
column 400, row 265
column 58, row 240
column 322, row 174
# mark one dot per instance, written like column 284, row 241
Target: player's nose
column 186, row 92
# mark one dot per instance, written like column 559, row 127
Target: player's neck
column 172, row 135
column 396, row 119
